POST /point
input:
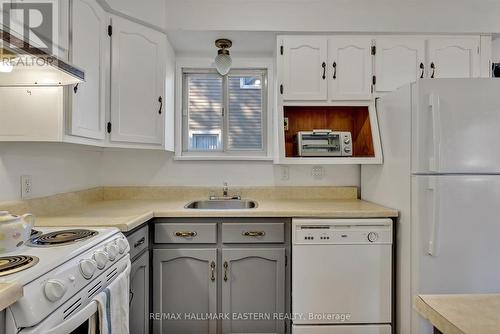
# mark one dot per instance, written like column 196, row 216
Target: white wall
column 462, row 16
column 141, row 167
column 54, row 167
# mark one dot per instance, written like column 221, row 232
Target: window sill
column 222, row 158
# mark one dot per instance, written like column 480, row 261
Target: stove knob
column 88, row 268
column 112, row 251
column 372, row 236
column 100, row 258
column 347, row 150
column 122, row 245
column 347, row 141
column 54, row 290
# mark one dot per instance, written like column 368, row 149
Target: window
column 224, row 115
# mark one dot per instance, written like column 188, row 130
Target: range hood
column 24, row 64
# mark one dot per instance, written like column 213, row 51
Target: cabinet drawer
column 138, row 241
column 253, row 233
column 168, row 233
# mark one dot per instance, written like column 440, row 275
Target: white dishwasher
column 342, row 276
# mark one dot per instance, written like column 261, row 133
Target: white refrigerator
column 441, row 145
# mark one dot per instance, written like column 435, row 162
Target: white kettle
column 14, row 230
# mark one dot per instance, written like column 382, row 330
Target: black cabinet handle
column 433, row 67
column 225, row 270
column 422, row 69
column 334, row 70
column 75, row 89
column 324, row 70
column 160, row 99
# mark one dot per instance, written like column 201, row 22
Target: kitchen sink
column 226, row 204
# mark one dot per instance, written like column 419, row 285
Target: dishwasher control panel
column 342, row 231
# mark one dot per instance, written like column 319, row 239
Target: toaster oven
column 324, row 143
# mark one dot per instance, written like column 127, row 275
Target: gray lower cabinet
column 139, row 294
column 184, row 282
column 253, row 283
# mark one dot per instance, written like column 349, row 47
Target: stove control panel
column 48, row 292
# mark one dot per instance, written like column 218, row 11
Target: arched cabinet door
column 253, row 281
column 454, row 57
column 350, row 68
column 139, row 295
column 90, row 52
column 185, row 282
column 138, row 58
column 398, row 61
column 304, row 68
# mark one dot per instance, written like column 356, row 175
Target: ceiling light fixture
column 223, row 60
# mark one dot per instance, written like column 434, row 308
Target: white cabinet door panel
column 89, row 51
column 454, row 57
column 398, row 61
column 137, row 83
column 350, row 68
column 304, row 76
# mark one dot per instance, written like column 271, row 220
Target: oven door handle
column 74, row 321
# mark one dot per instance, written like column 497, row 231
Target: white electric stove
column 61, row 270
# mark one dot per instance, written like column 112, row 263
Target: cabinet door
column 304, row 68
column 453, row 57
column 398, row 61
column 137, row 83
column 184, row 281
column 139, row 295
column 350, row 62
column 89, row 51
column 253, row 281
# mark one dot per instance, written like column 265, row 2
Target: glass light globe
column 223, row 62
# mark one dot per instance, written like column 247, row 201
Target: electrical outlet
column 285, row 123
column 285, row 173
column 26, row 186
column 318, row 172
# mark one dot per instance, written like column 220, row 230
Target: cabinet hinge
column 374, row 80
column 281, row 49
column 374, row 50
column 110, row 30
column 281, row 89
column 109, row 127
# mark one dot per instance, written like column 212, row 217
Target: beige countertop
column 9, row 294
column 461, row 314
column 129, row 214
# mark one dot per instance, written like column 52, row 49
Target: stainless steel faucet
column 225, row 194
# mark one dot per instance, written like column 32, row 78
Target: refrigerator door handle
column 434, row 223
column 436, row 137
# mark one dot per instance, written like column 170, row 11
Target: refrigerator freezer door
column 456, row 126
column 456, row 231
column 361, row 329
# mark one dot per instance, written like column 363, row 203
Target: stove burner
column 13, row 264
column 60, row 238
column 35, row 233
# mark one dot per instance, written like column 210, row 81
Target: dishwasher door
column 342, row 271
column 340, row 329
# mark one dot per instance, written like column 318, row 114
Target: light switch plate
column 285, row 173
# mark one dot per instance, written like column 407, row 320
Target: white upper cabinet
column 350, row 68
column 398, row 61
column 454, row 57
column 304, row 68
column 89, row 51
column 137, row 83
